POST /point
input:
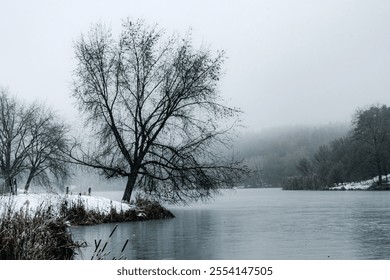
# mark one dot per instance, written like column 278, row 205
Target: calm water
column 259, row 224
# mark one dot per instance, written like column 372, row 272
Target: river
column 257, row 224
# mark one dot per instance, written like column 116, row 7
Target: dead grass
column 38, row 236
column 145, row 209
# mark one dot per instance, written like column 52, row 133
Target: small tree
column 304, row 167
column 155, row 111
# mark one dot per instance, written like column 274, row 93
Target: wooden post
column 15, row 192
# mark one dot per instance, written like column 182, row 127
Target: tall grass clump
column 38, row 235
column 145, row 209
column 152, row 209
column 101, row 253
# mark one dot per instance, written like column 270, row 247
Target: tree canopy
column 156, row 116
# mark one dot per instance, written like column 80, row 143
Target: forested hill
column 362, row 154
column 274, row 153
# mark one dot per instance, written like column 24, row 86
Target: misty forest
column 319, row 158
column 362, row 153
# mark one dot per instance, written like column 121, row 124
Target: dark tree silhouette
column 156, row 114
column 32, row 143
column 372, row 131
column 48, row 148
column 15, row 120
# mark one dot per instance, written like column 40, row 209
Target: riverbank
column 312, row 183
column 86, row 210
column 36, row 226
column 366, row 185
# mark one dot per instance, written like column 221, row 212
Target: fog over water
column 289, row 62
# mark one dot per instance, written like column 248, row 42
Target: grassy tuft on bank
column 77, row 213
column 34, row 236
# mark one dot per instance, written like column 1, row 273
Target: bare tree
column 155, row 111
column 32, row 142
column 48, row 147
column 304, row 167
column 15, row 120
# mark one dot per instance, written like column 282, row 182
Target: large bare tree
column 157, row 117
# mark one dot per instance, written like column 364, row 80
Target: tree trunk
column 131, row 179
column 379, row 169
column 8, row 185
column 29, row 179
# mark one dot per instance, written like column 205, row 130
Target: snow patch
column 363, row 185
column 33, row 201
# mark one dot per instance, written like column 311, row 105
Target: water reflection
column 372, row 234
column 191, row 236
column 260, row 224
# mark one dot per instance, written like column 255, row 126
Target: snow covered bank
column 33, row 201
column 83, row 209
column 363, row 185
column 35, row 226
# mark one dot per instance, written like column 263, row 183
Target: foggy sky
column 289, row 62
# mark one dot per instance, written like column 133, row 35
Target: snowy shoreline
column 33, row 201
column 83, row 209
column 363, row 185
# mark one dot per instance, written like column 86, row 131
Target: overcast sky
column 289, row 62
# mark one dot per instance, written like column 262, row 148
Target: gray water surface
column 258, row 224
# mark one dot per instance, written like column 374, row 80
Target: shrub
column 152, row 209
column 310, row 182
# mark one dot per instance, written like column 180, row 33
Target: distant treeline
column 273, row 154
column 363, row 153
